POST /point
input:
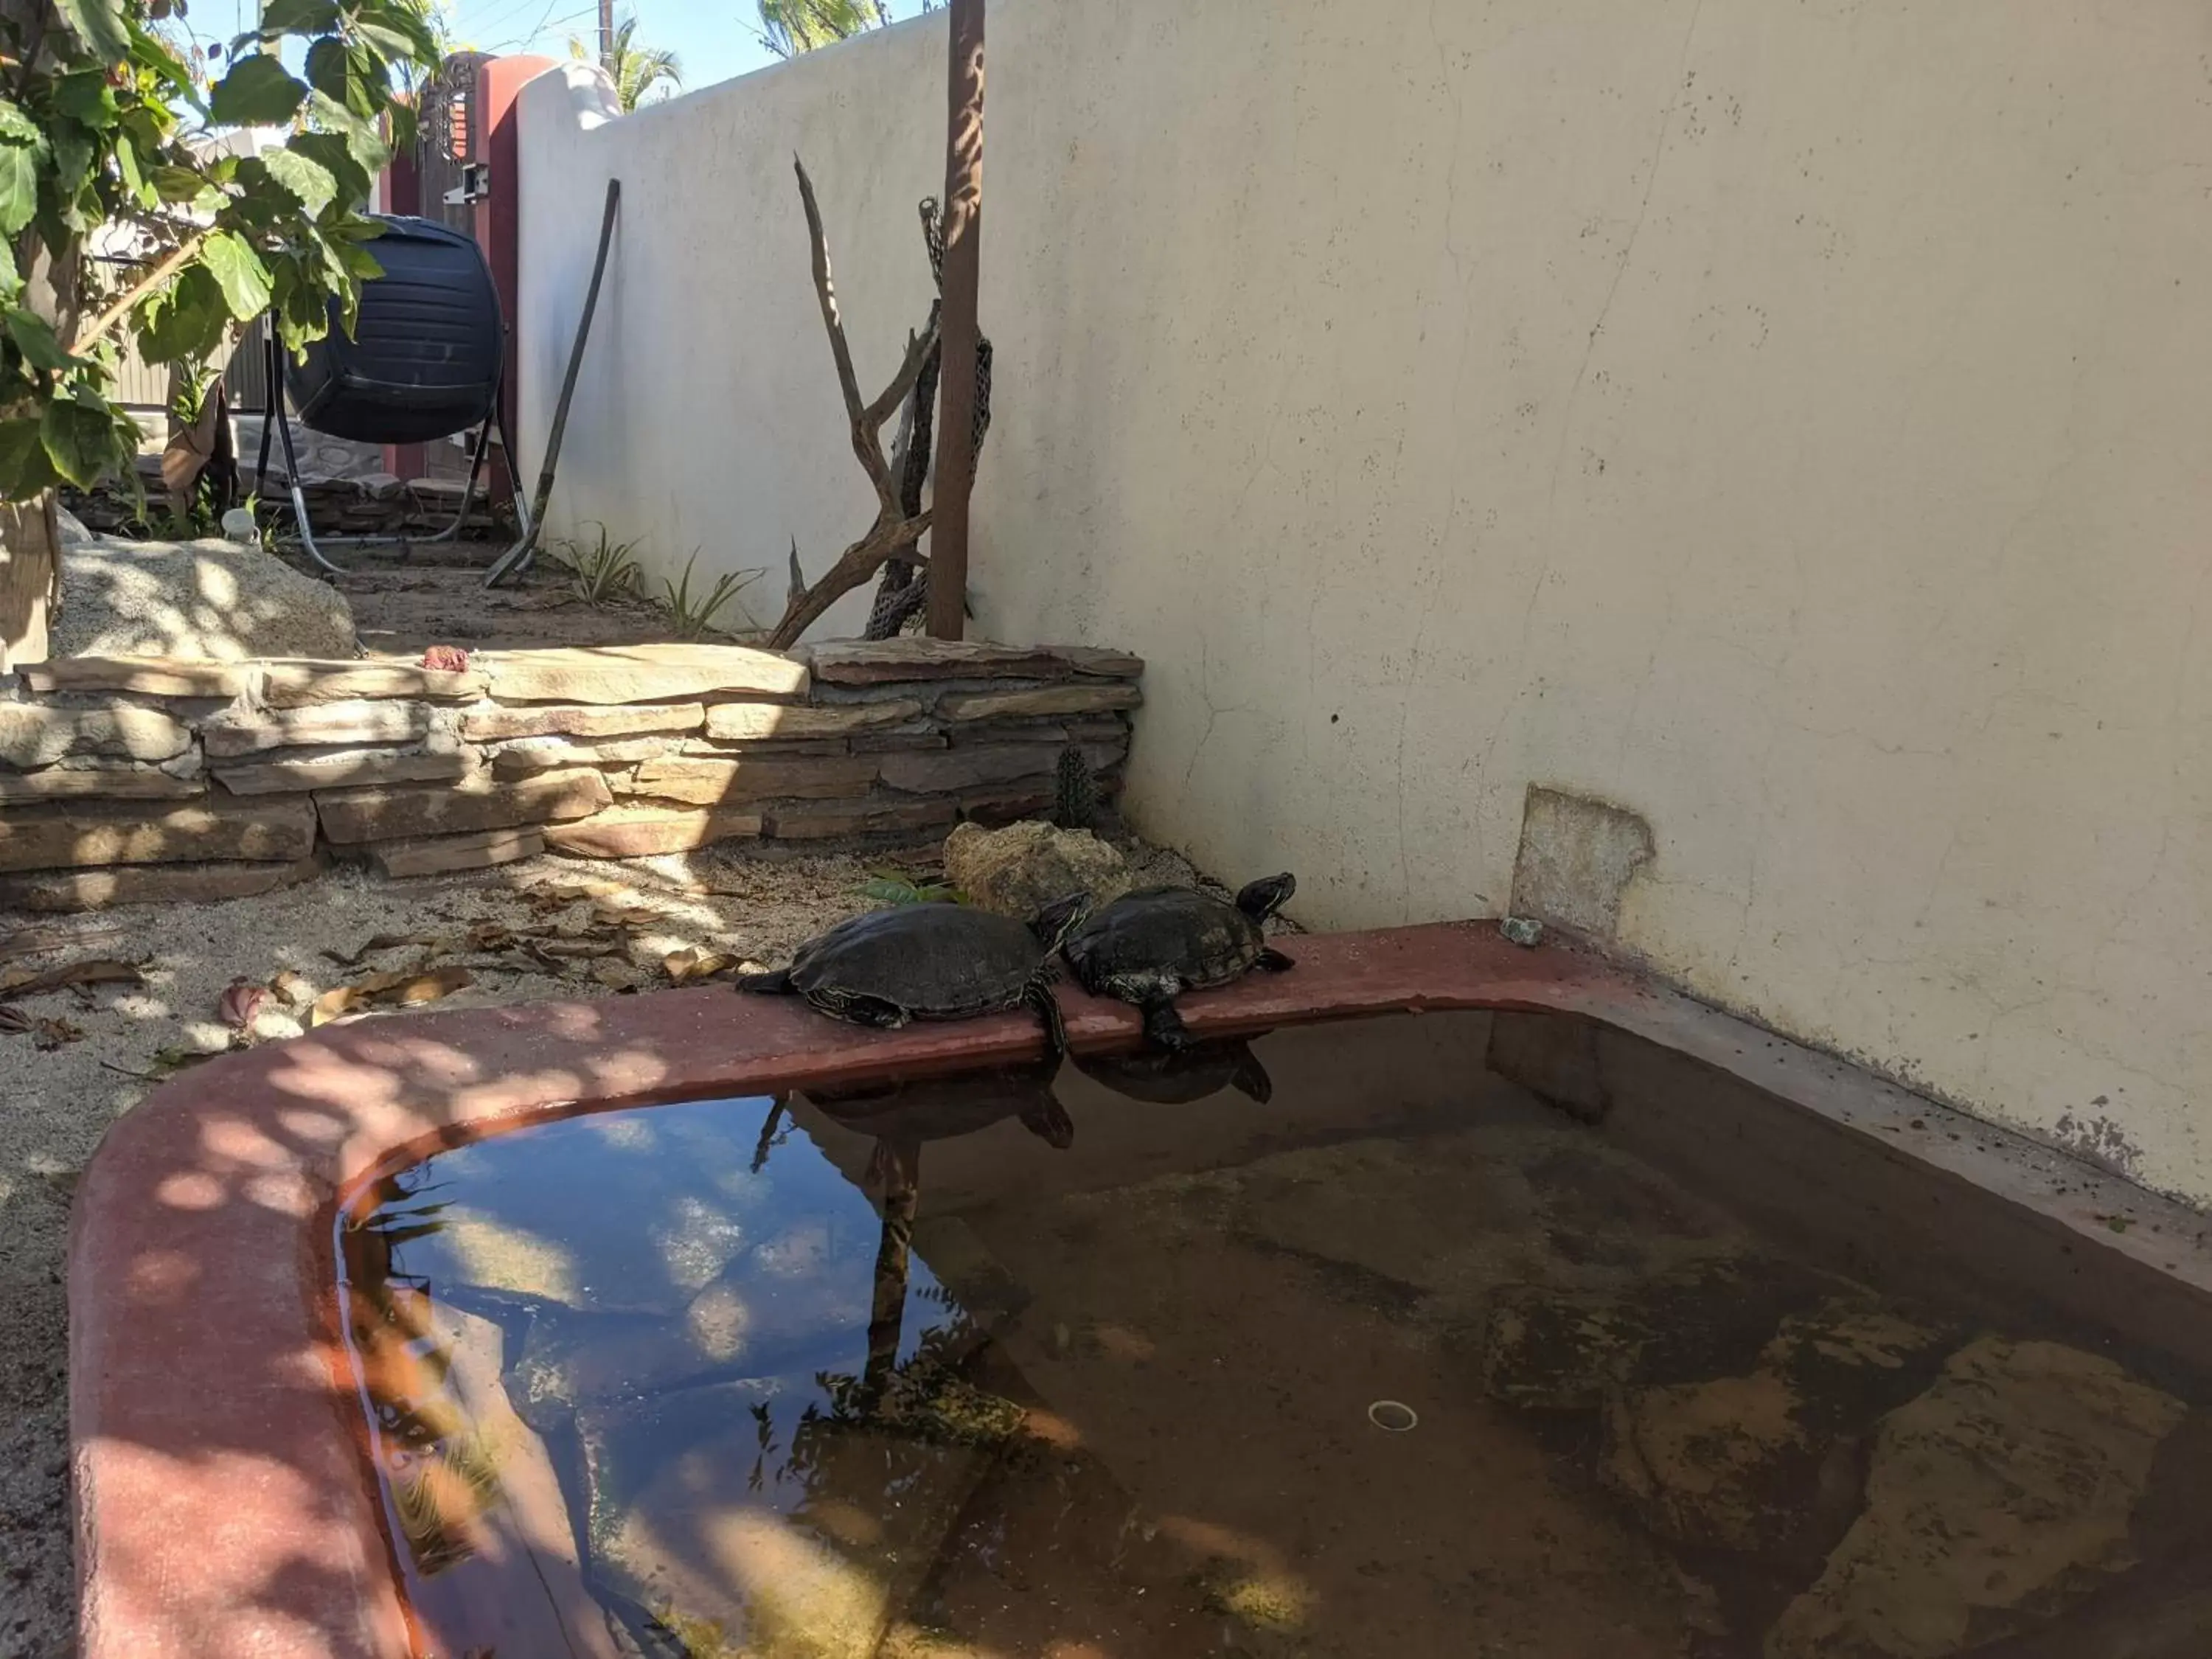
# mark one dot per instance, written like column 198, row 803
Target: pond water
column 1334, row 1344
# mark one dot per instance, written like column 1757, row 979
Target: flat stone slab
column 834, row 820
column 497, row 725
column 230, row 734
column 974, row 766
column 771, row 722
column 288, row 777
column 32, row 735
column 97, row 783
column 61, row 892
column 703, row 781
column 638, row 673
column 439, row 855
column 404, row 811
column 1045, row 700
column 877, row 662
column 157, row 677
column 75, row 837
column 638, row 830
column 525, row 757
column 295, row 684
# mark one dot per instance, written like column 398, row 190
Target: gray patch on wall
column 1577, row 856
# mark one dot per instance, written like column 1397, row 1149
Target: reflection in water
column 1176, row 1076
column 913, row 1369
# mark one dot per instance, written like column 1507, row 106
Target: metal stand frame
column 275, row 419
column 517, row 559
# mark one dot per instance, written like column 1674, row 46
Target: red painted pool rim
column 224, row 1506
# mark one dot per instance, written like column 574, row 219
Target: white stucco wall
column 1790, row 423
column 708, row 416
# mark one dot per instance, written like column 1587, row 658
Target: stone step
column 638, row 673
column 61, row 892
column 81, row 837
column 477, row 802
column 637, row 829
column 34, row 735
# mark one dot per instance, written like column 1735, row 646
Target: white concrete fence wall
column 1792, row 423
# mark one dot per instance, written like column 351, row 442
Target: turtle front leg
column 1038, row 995
column 1271, row 961
column 860, row 1010
column 1163, row 1027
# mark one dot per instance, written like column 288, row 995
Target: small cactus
column 1075, row 792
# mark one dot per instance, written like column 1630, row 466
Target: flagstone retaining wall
column 131, row 779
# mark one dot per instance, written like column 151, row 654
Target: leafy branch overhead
column 104, row 125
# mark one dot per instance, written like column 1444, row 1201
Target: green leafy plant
column 603, row 570
column 893, row 887
column 694, row 614
column 104, row 124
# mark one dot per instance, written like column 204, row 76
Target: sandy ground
column 114, row 1040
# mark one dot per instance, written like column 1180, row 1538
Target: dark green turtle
column 1176, row 1076
column 1148, row 948
column 931, row 962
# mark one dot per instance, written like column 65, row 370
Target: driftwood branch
column 858, row 562
column 899, row 526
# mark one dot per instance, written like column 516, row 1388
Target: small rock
column 1523, row 931
column 1017, row 870
column 197, row 599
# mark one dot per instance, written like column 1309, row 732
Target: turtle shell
column 1163, row 933
column 932, row 961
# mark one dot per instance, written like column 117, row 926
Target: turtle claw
column 1163, row 1027
column 1271, row 961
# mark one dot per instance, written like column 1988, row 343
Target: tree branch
column 152, row 279
column 826, row 291
column 858, row 562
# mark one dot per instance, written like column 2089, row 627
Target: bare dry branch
column 854, row 566
column 917, row 355
column 826, row 290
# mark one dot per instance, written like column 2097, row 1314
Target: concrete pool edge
column 223, row 1506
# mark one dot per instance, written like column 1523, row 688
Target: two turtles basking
column 946, row 962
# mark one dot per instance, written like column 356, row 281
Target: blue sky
column 716, row 38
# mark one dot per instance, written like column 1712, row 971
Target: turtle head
column 1261, row 899
column 1059, row 919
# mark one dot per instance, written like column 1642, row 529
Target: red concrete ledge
column 225, row 1505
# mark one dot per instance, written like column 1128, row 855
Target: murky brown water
column 1395, row 1361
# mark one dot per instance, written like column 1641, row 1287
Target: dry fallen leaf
column 52, row 1034
column 383, row 942
column 98, row 970
column 400, row 990
column 293, row 989
column 31, row 941
column 45, row 1033
column 685, row 965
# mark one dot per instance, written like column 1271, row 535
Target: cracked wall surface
column 1786, row 423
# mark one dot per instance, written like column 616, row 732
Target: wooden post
column 963, row 235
